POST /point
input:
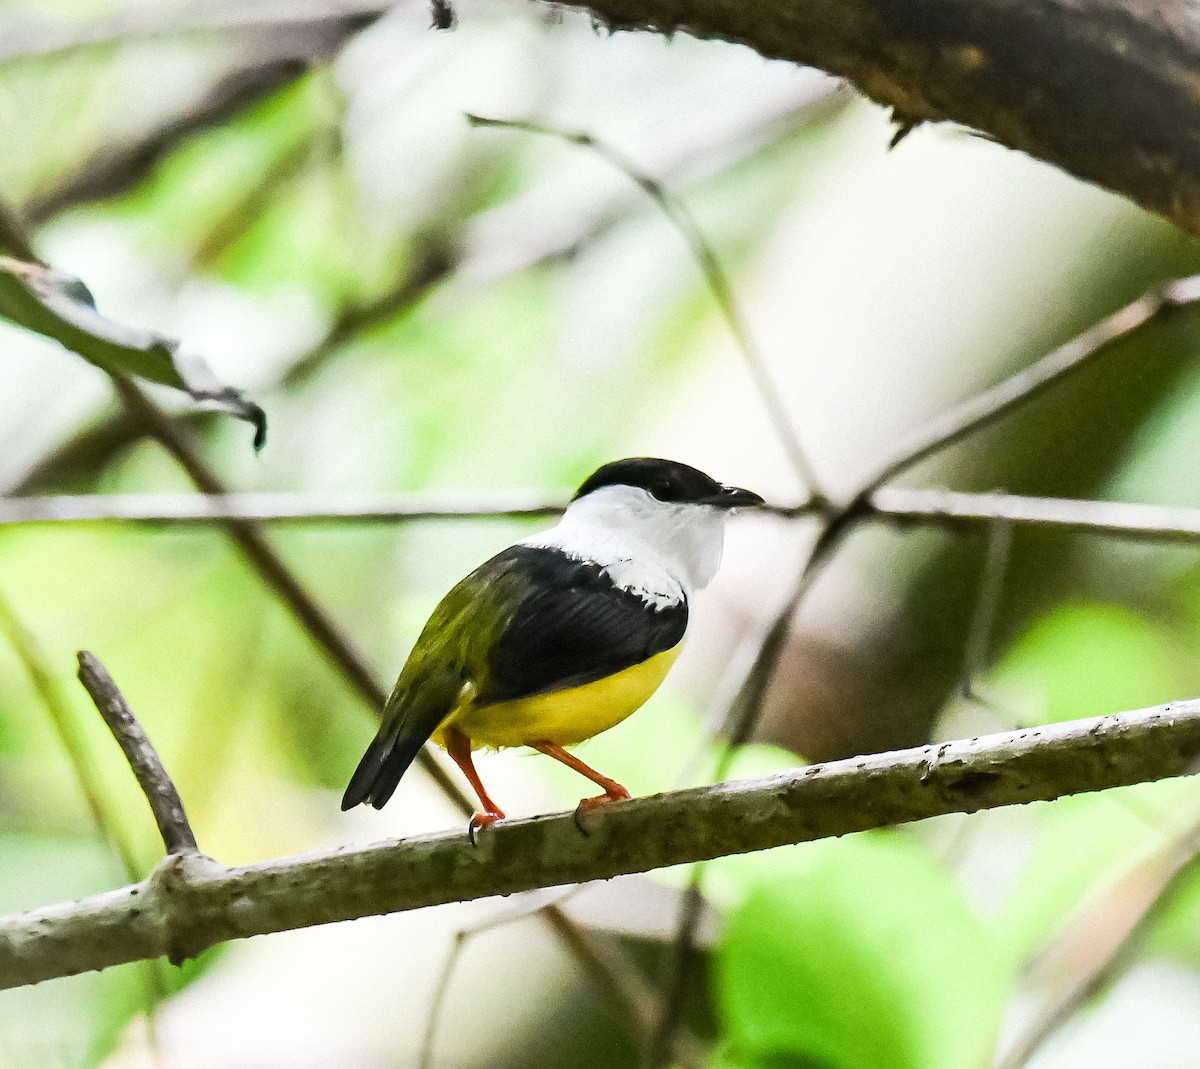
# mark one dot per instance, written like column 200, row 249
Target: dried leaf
column 60, row 306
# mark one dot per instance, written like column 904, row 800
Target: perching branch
column 190, row 904
column 1104, row 89
column 156, row 785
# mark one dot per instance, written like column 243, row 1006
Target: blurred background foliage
column 420, row 305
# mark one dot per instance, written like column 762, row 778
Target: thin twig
column 148, row 770
column 899, row 506
column 986, row 408
column 214, row 903
column 508, row 915
column 987, row 607
column 1109, row 519
column 714, row 276
column 521, row 234
column 218, row 509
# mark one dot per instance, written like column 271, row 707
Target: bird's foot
column 482, row 820
column 613, row 793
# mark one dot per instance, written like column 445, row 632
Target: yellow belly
column 563, row 717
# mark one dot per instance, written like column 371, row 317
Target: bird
column 560, row 636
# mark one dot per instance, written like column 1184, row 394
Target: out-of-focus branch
column 986, row 408
column 148, row 770
column 1101, row 941
column 119, row 167
column 86, row 774
column 203, row 904
column 971, row 416
column 30, row 38
column 1104, row 89
column 897, row 506
column 433, row 260
column 715, row 277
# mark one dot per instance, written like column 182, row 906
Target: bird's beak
column 734, row 497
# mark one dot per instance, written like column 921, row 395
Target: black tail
column 385, row 762
column 418, row 704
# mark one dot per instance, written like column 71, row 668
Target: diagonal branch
column 993, row 404
column 275, row 60
column 182, row 910
column 972, row 415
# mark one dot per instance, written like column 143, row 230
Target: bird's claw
column 616, row 793
column 481, row 820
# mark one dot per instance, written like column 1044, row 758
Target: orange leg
column 613, row 791
column 458, row 746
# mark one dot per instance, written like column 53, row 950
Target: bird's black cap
column 668, row 480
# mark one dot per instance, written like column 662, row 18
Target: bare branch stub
column 156, row 785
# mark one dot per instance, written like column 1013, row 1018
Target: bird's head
column 665, row 482
column 643, row 513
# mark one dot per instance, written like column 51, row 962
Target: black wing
column 573, row 626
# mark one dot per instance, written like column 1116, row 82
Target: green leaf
column 867, row 958
column 59, row 306
column 1088, row 659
